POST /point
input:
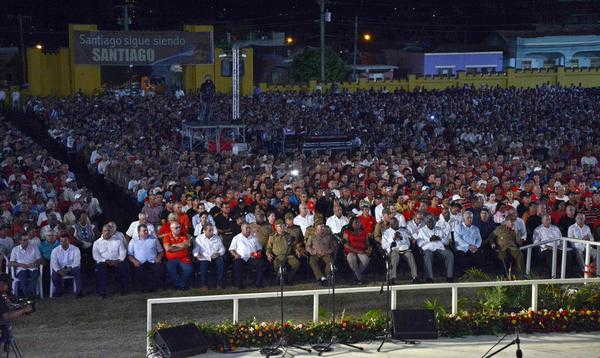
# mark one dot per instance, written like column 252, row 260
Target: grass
column 115, row 327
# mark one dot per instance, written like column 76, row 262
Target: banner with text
column 142, row 48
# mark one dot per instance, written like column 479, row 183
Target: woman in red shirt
column 357, row 249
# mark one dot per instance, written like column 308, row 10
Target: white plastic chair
column 67, row 277
column 15, row 280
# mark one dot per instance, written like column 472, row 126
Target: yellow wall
column 565, row 77
column 48, row 74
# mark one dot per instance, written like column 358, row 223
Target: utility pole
column 126, row 19
column 355, row 47
column 322, row 41
column 22, row 49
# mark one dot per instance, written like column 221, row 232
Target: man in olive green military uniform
column 507, row 241
column 281, row 250
column 293, row 230
column 321, row 246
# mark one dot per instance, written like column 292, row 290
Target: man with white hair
column 396, row 242
column 547, row 231
column 467, row 240
column 132, row 231
column 581, row 231
column 304, row 218
column 177, row 251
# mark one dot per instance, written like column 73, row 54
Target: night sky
column 389, row 20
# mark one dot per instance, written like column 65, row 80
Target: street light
column 39, row 46
column 367, row 37
column 289, row 40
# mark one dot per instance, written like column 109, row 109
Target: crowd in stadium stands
column 444, row 181
column 47, row 220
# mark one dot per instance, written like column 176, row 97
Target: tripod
column 282, row 345
column 334, row 340
column 516, row 341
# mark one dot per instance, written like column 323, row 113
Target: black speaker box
column 181, row 341
column 414, row 324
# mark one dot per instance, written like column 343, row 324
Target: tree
column 307, row 66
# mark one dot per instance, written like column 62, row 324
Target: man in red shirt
column 177, row 252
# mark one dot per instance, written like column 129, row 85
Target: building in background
column 374, row 72
column 548, row 49
column 449, row 63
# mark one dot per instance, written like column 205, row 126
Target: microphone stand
column 517, row 341
column 282, row 345
column 328, row 347
column 388, row 336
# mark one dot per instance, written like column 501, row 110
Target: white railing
column 563, row 264
column 393, row 297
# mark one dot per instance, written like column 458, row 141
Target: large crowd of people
column 444, row 180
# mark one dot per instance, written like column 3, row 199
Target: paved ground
column 584, row 345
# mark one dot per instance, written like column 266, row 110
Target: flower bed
column 373, row 325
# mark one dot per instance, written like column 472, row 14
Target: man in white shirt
column 65, row 260
column 467, row 241
column 110, row 253
column 25, row 259
column 209, row 250
column 432, row 240
column 544, row 232
column 132, row 231
column 304, row 218
column 246, row 250
column 415, row 225
column 337, row 221
column 396, row 241
column 6, row 242
column 581, row 231
column 145, row 253
column 16, row 97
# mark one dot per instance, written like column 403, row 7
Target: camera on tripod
column 20, row 303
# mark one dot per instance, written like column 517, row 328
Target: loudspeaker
column 181, row 341
column 414, row 324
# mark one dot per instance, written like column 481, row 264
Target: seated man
column 357, row 249
column 506, row 240
column 246, row 251
column 433, row 240
column 322, row 248
column 26, row 259
column 547, row 231
column 209, row 251
column 109, row 252
column 396, row 241
column 145, row 254
column 281, row 250
column 581, row 231
column 177, row 251
column 467, row 239
column 65, row 260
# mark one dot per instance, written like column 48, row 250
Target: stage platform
column 557, row 345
